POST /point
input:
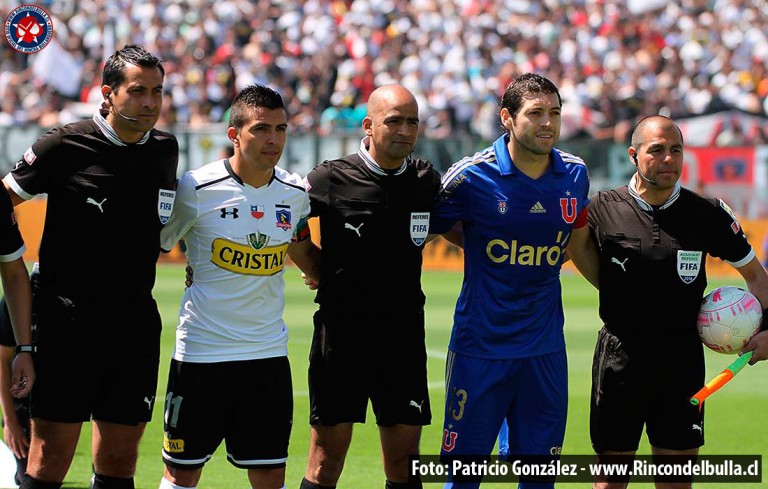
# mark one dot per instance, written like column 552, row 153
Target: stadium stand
column 613, row 60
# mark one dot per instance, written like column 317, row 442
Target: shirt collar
column 505, row 160
column 371, row 163
column 645, row 205
column 110, row 133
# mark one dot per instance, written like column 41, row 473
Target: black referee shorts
column 636, row 383
column 357, row 357
column 96, row 362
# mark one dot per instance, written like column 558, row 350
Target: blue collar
column 506, row 167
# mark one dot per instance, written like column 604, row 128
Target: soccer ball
column 729, row 317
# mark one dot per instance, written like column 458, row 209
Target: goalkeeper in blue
column 520, row 204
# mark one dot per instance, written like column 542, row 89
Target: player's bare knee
column 182, row 477
column 267, row 478
column 122, row 465
column 324, row 471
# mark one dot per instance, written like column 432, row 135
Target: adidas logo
column 538, row 209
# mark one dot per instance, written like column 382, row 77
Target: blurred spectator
column 615, row 60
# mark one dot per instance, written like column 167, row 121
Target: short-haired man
column 241, row 217
column 374, row 208
column 110, row 185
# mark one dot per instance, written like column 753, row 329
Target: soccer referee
column 110, row 184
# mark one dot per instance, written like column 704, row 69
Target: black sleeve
column 36, row 169
column 729, row 243
column 317, row 188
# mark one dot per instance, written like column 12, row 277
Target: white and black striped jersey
column 237, row 238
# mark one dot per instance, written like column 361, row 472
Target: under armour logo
column 619, row 263
column 225, row 212
column 97, row 204
column 149, row 402
column 417, row 406
column 697, row 427
column 353, row 228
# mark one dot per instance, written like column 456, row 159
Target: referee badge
column 165, row 204
column 419, row 227
column 688, row 265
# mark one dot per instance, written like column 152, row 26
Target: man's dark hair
column 523, row 85
column 114, row 69
column 252, row 97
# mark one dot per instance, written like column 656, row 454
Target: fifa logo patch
column 419, row 227
column 283, row 215
column 164, row 204
column 688, row 265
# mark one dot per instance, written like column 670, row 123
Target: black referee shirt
column 370, row 232
column 652, row 259
column 102, row 226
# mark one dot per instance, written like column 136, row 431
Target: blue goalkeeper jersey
column 516, row 230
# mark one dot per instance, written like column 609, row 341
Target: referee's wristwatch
column 26, row 349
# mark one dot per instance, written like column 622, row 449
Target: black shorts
column 248, row 404
column 636, row 383
column 96, row 362
column 357, row 357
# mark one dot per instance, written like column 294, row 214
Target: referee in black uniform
column 654, row 237
column 110, row 185
column 368, row 343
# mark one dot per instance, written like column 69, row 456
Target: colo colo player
column 240, row 217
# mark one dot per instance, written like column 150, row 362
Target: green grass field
column 734, row 416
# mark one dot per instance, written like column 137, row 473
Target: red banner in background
column 719, row 165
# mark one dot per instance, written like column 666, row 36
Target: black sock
column 412, row 484
column 106, row 482
column 29, row 483
column 305, row 484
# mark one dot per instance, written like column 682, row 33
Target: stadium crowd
column 613, row 60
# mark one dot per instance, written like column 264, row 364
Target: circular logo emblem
column 28, row 29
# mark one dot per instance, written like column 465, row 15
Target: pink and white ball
column 729, row 317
